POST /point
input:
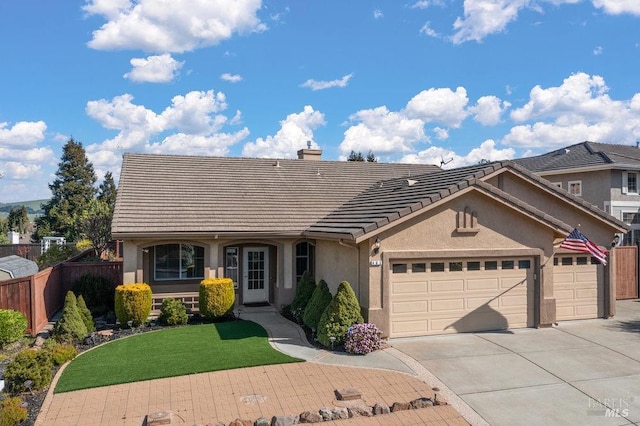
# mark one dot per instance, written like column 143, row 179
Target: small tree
column 87, row 318
column 70, row 326
column 357, row 156
column 342, row 313
column 304, row 291
column 107, row 191
column 95, row 224
column 320, row 299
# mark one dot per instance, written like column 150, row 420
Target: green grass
column 172, row 352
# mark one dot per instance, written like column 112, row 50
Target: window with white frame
column 631, row 218
column 630, row 183
column 575, row 187
column 178, row 262
column 231, row 265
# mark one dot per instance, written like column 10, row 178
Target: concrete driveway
column 579, row 372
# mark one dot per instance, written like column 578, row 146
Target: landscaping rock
column 262, row 421
column 39, row 341
column 284, row 420
column 400, row 406
column 339, row 413
column 421, row 403
column 380, row 408
column 325, row 413
column 240, row 422
column 360, row 411
column 309, row 417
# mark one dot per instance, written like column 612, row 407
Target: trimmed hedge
column 319, row 301
column 341, row 313
column 133, row 303
column 71, row 324
column 216, row 297
column 97, row 291
column 13, row 325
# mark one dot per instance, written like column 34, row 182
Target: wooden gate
column 626, row 264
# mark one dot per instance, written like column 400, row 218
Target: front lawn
column 172, row 352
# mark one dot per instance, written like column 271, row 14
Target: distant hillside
column 34, row 208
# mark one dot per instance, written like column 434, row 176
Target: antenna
column 443, row 162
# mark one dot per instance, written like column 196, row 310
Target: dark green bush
column 97, row 291
column 70, row 327
column 13, row 325
column 61, row 353
column 173, row 312
column 133, row 303
column 216, row 297
column 342, row 312
column 85, row 313
column 12, row 412
column 304, row 290
column 320, row 299
column 28, row 365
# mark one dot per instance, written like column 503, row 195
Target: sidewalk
column 265, row 391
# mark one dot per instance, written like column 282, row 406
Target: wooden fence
column 41, row 295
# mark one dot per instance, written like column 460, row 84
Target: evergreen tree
column 357, row 156
column 85, row 313
column 72, row 190
column 18, row 219
column 70, row 326
column 107, row 191
column 342, row 312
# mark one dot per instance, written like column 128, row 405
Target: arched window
column 305, row 259
column 178, row 262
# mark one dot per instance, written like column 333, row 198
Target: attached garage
column 578, row 282
column 436, row 296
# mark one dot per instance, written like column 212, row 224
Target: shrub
column 85, row 313
column 70, row 326
column 97, row 291
column 56, row 253
column 13, row 325
column 362, row 339
column 28, row 365
column 216, row 297
column 304, row 290
column 342, row 312
column 173, row 312
column 319, row 301
column 133, row 303
column 12, row 412
column 62, row 353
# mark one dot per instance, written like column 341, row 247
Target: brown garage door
column 578, row 287
column 436, row 296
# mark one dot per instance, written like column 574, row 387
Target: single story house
column 426, row 250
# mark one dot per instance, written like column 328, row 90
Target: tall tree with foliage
column 95, row 224
column 107, row 191
column 72, row 191
column 18, row 219
column 357, row 156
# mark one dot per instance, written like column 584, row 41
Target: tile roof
column 163, row 194
column 584, row 154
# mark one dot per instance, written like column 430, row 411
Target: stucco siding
column 336, row 263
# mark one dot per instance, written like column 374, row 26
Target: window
column 231, row 265
column 490, row 265
column 508, row 264
column 582, row 260
column 437, row 267
column 418, row 267
column 630, row 183
column 455, row 266
column 399, row 268
column 524, row 264
column 178, row 262
column 575, row 187
column 631, row 218
column 473, row 266
column 567, row 261
column 305, row 259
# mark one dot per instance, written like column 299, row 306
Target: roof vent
column 277, row 163
column 411, row 182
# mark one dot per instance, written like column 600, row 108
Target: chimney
column 310, row 154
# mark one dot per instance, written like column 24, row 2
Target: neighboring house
column 605, row 175
column 16, row 267
column 426, row 251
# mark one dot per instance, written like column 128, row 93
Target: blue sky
column 412, row 81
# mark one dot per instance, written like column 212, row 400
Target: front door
column 255, row 287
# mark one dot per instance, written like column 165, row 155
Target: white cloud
column 22, row 133
column 436, row 155
column 321, row 85
column 231, row 78
column 216, row 145
column 597, row 51
column 295, row 131
column 377, row 14
column 488, row 110
column 439, row 105
column 154, row 69
column 428, row 31
column 484, row 17
column 424, row 4
column 617, row 7
column 171, row 26
column 18, row 170
column 441, row 133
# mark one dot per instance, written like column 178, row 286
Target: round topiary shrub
column 85, row 313
column 13, row 325
column 28, row 365
column 133, row 303
column 12, row 412
column 362, row 339
column 97, row 291
column 342, row 312
column 70, row 326
column 61, row 353
column 216, row 297
column 173, row 312
column 319, row 301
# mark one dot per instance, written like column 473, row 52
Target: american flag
column 577, row 242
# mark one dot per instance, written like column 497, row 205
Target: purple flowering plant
column 362, row 339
